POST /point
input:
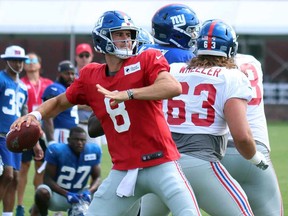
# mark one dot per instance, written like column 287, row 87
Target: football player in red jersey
column 126, row 96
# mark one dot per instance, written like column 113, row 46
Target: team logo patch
column 89, row 157
column 132, row 68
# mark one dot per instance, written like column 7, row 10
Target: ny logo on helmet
column 126, row 21
column 99, row 22
column 178, row 20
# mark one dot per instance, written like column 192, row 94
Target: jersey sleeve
column 75, row 93
column 175, row 55
column 99, row 154
column 51, row 154
column 94, row 149
column 155, row 57
column 239, row 86
column 50, row 92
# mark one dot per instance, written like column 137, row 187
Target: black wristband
column 130, row 94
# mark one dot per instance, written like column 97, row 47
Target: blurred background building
column 53, row 28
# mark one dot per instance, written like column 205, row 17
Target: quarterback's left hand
column 86, row 196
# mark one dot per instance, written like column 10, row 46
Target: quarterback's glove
column 259, row 160
column 86, row 196
column 73, row 197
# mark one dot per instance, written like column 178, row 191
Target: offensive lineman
column 214, row 96
column 261, row 188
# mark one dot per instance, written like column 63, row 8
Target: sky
column 79, row 16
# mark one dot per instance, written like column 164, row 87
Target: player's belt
column 152, row 156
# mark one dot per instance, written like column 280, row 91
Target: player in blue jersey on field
column 13, row 97
column 67, row 171
column 57, row 130
column 175, row 28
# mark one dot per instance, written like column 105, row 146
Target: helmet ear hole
column 110, row 48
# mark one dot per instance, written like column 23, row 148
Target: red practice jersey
column 136, row 130
column 35, row 92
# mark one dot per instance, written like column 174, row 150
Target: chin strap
column 123, row 53
column 17, row 81
column 17, row 72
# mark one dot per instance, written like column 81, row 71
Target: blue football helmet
column 176, row 25
column 109, row 22
column 144, row 37
column 217, row 38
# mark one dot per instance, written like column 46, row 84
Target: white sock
column 7, row 214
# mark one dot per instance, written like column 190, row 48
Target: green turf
column 278, row 132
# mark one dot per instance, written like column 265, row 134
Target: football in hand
column 24, row 139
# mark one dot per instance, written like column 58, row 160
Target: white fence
column 275, row 93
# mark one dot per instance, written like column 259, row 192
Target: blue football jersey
column 72, row 171
column 66, row 119
column 13, row 96
column 172, row 54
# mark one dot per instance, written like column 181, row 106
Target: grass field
column 278, row 132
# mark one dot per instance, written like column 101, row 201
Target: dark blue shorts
column 9, row 158
column 29, row 155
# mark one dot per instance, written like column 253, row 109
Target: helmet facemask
column 187, row 38
column 128, row 50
